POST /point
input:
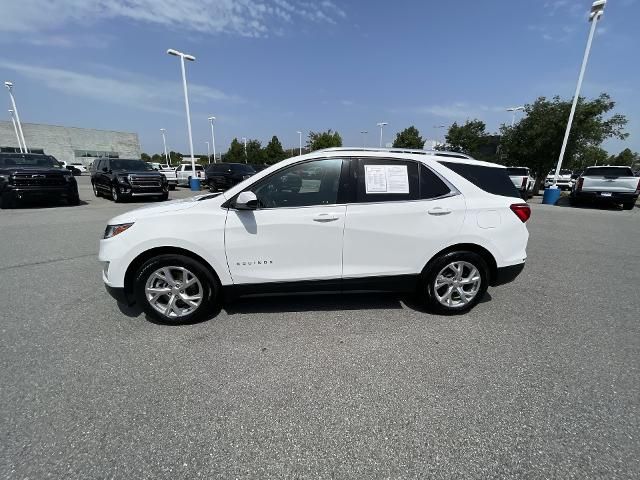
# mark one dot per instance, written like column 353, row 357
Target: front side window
column 301, row 185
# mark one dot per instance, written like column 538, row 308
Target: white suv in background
column 441, row 224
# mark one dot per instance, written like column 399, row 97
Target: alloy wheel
column 174, row 291
column 457, row 284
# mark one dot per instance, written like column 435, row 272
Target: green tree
column 590, row 155
column 409, row 138
column 145, row 157
column 235, row 154
column 255, row 153
column 175, row 157
column 469, row 138
column 157, row 158
column 625, row 157
column 320, row 140
column 535, row 140
column 274, row 151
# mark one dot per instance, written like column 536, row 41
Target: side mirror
column 247, row 200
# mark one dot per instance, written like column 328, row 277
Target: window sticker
column 386, row 179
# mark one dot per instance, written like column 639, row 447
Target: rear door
column 402, row 215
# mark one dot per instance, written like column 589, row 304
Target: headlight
column 113, row 230
column 124, row 180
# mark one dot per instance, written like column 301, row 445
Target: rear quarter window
column 492, row 180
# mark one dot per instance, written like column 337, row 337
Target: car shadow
column 27, row 203
column 593, row 205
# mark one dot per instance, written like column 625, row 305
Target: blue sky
column 266, row 67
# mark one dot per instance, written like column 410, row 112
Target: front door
column 295, row 234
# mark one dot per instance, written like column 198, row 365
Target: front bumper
column 19, row 192
column 507, row 274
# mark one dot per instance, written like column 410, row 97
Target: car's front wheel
column 115, row 194
column 96, row 192
column 175, row 289
column 455, row 282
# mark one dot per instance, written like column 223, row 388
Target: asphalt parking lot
column 538, row 381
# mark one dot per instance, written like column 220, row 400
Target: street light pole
column 213, row 138
column 513, row 116
column 164, row 144
column 9, row 86
column 299, row 141
column 597, row 9
column 244, row 139
column 208, row 152
column 364, row 138
column 443, row 139
column 195, row 182
column 15, row 129
column 381, row 125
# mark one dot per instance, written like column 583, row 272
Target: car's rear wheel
column 628, row 205
column 455, row 282
column 175, row 289
column 73, row 199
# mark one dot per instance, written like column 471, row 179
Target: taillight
column 580, row 182
column 638, row 187
column 524, row 183
column 522, row 210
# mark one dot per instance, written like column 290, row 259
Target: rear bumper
column 613, row 197
column 507, row 274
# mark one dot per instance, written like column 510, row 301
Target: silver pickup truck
column 607, row 183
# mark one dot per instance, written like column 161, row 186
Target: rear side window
column 517, row 171
column 431, row 186
column 608, row 172
column 387, row 180
column 492, row 180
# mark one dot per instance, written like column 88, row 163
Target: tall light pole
column 364, row 138
column 597, row 9
column 208, row 152
column 381, row 125
column 244, row 140
column 437, row 127
column 15, row 129
column 299, row 142
column 195, row 182
column 213, row 138
column 164, row 144
column 9, row 86
column 513, row 115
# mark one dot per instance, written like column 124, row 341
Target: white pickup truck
column 170, row 173
column 607, row 183
column 565, row 182
column 185, row 172
column 522, row 180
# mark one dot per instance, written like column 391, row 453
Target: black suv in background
column 222, row 176
column 29, row 175
column 122, row 179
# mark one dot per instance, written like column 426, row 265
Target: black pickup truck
column 31, row 175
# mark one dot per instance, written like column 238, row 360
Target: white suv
column 438, row 223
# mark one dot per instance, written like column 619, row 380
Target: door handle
column 439, row 211
column 325, row 217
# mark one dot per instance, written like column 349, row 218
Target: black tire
column 8, row 201
column 573, row 201
column 428, row 287
column 163, row 197
column 208, row 283
column 96, row 192
column 172, row 187
column 628, row 205
column 74, row 199
column 115, row 194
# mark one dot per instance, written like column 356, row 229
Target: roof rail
column 415, row 151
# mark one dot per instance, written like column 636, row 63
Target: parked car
column 222, row 176
column 80, row 167
column 522, row 180
column 170, row 174
column 185, row 171
column 565, row 182
column 74, row 171
column 611, row 184
column 122, row 179
column 29, row 175
column 373, row 219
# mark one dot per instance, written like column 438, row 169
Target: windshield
column 608, row 172
column 513, row 171
column 45, row 161
column 132, row 165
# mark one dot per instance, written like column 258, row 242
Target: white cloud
column 132, row 90
column 347, row 103
column 250, row 18
column 455, row 111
